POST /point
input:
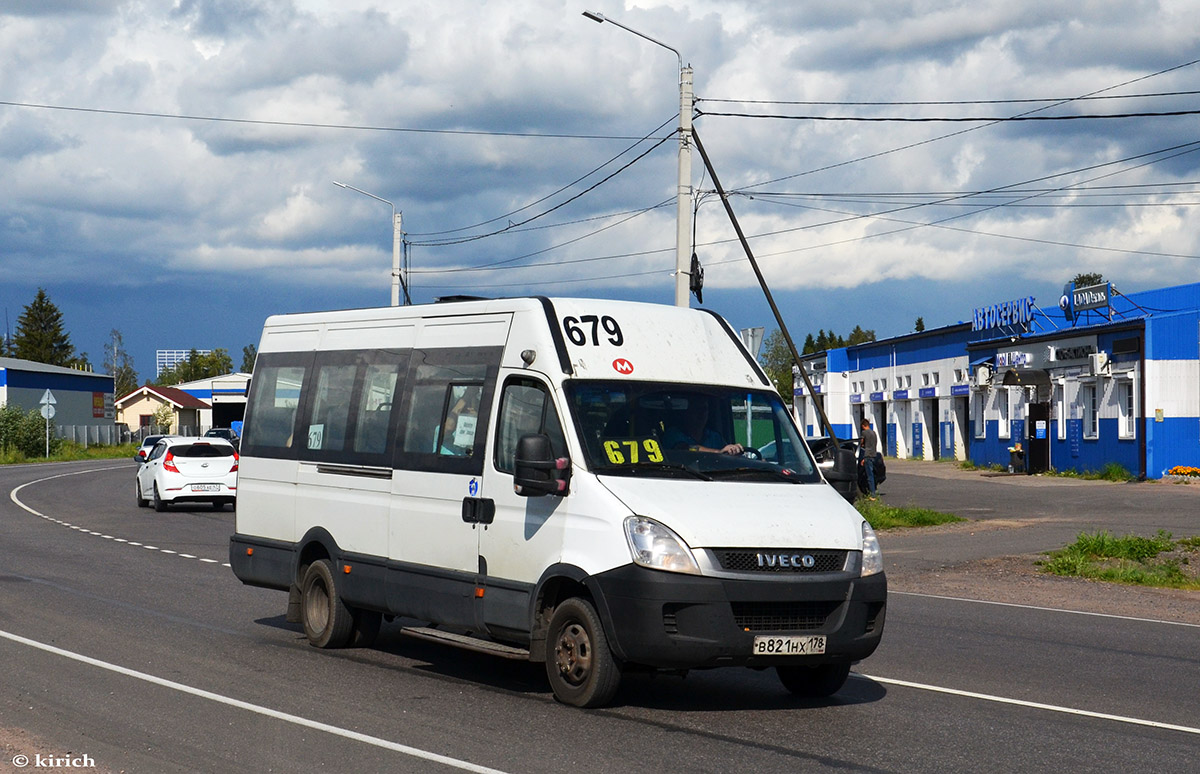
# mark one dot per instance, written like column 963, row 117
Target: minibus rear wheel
column 814, row 682
column 579, row 663
column 328, row 623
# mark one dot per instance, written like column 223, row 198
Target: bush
column 24, row 435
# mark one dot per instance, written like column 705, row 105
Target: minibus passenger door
column 526, row 533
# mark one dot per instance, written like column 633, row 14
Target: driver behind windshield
column 692, row 431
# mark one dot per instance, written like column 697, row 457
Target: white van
column 570, row 481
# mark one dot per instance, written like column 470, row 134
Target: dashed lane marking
column 13, row 496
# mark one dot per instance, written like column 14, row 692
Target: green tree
column 860, row 336
column 119, row 365
column 249, row 353
column 776, row 360
column 164, row 417
column 24, row 435
column 919, row 325
column 197, row 366
column 40, row 335
column 810, row 345
column 1087, row 279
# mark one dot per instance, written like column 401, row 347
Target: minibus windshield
column 706, row 432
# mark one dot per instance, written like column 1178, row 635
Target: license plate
column 809, row 645
column 206, row 487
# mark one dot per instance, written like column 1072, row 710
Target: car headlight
column 872, row 558
column 655, row 546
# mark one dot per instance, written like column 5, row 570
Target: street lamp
column 397, row 280
column 683, row 222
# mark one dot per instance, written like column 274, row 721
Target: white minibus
column 600, row 486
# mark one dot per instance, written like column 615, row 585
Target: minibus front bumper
column 677, row 621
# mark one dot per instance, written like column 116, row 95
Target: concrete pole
column 397, row 233
column 683, row 220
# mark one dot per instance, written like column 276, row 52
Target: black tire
column 218, row 505
column 579, row 663
column 141, row 501
column 160, row 504
column 327, row 621
column 814, row 682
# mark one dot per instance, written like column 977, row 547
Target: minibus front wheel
column 579, row 663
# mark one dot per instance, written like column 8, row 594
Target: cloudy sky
column 167, row 166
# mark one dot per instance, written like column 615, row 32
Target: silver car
column 180, row 469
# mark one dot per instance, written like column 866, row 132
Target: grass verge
column 883, row 516
column 1159, row 561
column 70, row 451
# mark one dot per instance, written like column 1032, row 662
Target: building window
column 1125, row 404
column 1003, row 396
column 1091, row 417
column 960, row 375
column 936, row 377
column 978, row 410
column 925, row 380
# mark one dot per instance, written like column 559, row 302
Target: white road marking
column 1034, row 705
column 1046, row 609
column 13, row 496
column 375, row 741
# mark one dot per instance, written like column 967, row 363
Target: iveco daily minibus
column 598, row 486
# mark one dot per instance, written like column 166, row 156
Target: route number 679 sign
column 588, row 328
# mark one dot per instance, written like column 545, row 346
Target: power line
column 919, row 143
column 315, row 125
column 944, row 102
column 589, row 189
column 949, row 119
column 644, row 138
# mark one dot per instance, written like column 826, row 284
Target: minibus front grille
column 775, row 560
column 782, row 616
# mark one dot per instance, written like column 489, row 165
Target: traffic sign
column 48, row 399
column 48, row 410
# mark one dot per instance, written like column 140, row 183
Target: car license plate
column 206, row 487
column 809, row 645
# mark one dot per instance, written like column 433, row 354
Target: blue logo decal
column 473, row 487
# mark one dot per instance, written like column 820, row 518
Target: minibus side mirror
column 538, row 472
column 843, row 476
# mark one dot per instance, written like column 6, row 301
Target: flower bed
column 1182, row 473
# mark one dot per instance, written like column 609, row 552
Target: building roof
column 17, row 364
column 171, row 395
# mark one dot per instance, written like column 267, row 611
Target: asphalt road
column 125, row 638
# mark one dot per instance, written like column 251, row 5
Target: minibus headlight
column 655, row 546
column 872, row 558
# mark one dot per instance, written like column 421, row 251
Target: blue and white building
column 1105, row 378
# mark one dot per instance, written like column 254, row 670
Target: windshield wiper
column 657, row 466
column 781, row 475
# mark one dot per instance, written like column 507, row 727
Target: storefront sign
column 1018, row 312
column 960, row 389
column 1012, row 359
column 900, row 395
column 928, row 392
column 857, row 398
column 877, row 396
column 1094, row 297
column 1074, row 353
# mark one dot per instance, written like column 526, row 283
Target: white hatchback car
column 180, row 469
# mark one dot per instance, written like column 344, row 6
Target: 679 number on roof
column 587, row 328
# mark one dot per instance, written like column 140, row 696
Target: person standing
column 868, row 447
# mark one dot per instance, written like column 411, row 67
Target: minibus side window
column 271, row 415
column 331, row 408
column 526, row 408
column 375, row 409
column 446, row 410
